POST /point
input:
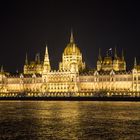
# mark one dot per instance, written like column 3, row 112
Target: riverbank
column 73, row 98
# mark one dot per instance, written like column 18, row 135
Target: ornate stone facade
column 109, row 63
column 109, row 79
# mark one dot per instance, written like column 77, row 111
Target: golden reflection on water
column 64, row 118
column 69, row 120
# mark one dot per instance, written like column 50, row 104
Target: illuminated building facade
column 110, row 78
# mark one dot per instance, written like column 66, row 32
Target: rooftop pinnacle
column 71, row 37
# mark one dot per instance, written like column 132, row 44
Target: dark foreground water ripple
column 69, row 120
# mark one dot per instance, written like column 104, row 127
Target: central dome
column 72, row 48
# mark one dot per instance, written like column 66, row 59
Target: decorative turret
column 122, row 62
column 26, row 60
column 2, row 75
column 37, row 58
column 135, row 62
column 115, row 53
column 99, row 56
column 122, row 55
column 109, row 63
column 136, row 66
column 99, row 62
column 33, row 67
column 46, row 64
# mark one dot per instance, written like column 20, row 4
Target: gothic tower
column 46, row 64
column 72, row 57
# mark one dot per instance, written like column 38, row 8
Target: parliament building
column 109, row 78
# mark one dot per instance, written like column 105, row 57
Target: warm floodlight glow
column 72, row 79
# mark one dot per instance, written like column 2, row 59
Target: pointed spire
column 37, row 58
column 115, row 53
column 46, row 65
column 135, row 62
column 99, row 56
column 2, row 70
column 71, row 37
column 26, row 60
column 122, row 55
column 46, row 54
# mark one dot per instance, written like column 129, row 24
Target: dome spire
column 71, row 37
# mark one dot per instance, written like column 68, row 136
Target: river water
column 69, row 120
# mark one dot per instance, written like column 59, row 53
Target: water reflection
column 39, row 120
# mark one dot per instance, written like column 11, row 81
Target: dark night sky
column 28, row 26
